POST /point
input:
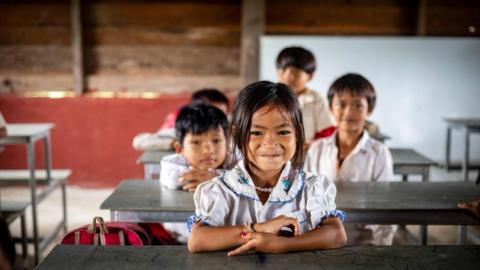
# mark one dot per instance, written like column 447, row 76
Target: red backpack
column 107, row 233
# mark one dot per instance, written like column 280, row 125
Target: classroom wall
column 92, row 136
column 419, row 81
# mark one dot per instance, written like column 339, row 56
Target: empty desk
column 469, row 125
column 407, row 162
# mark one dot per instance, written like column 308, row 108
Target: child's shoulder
column 377, row 147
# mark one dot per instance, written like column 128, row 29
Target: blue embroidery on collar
column 286, row 184
column 243, row 180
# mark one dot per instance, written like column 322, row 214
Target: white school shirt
column 316, row 116
column 371, row 161
column 231, row 199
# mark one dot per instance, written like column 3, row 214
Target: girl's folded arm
column 330, row 234
column 212, row 238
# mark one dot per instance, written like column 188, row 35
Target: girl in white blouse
column 266, row 202
column 350, row 154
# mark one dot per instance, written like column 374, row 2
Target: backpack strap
column 121, row 237
column 77, row 237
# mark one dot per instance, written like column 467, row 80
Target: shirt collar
column 288, row 185
column 361, row 145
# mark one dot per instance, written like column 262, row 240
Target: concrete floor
column 83, row 205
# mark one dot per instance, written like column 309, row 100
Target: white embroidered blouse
column 231, row 199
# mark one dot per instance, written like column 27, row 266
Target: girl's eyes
column 284, row 132
column 215, row 141
column 255, row 133
column 195, row 142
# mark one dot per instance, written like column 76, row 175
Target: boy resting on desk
column 201, row 148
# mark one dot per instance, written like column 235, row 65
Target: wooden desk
column 469, row 125
column 407, row 162
column 364, row 202
column 151, row 162
column 177, row 257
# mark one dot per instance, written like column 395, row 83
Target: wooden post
column 253, row 26
column 422, row 18
column 77, row 47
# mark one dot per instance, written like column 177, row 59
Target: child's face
column 350, row 112
column 272, row 139
column 294, row 77
column 206, row 150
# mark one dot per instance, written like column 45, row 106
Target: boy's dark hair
column 356, row 85
column 296, row 57
column 254, row 97
column 198, row 119
column 207, row 95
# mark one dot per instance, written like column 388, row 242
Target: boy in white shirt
column 350, row 154
column 201, row 148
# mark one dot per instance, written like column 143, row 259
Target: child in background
column 164, row 138
column 266, row 196
column 295, row 68
column 350, row 154
column 201, row 147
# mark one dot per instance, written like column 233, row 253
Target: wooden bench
column 11, row 211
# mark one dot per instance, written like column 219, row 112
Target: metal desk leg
column 64, row 203
column 33, row 195
column 462, row 234
column 424, row 234
column 466, row 154
column 48, row 157
column 23, row 229
column 447, row 149
column 424, row 228
column 146, row 170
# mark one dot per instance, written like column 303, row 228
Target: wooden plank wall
column 172, row 46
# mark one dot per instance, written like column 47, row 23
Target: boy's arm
column 330, row 234
column 211, row 238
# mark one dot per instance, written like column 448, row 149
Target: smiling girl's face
column 272, row 139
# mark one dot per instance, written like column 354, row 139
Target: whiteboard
column 418, row 81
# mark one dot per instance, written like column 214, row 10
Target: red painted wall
column 92, row 136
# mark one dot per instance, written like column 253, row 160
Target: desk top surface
column 26, row 130
column 408, row 156
column 177, row 257
column 147, row 195
column 400, row 156
column 463, row 121
column 153, row 157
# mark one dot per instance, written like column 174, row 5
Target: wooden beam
column 253, row 27
column 422, row 18
column 77, row 48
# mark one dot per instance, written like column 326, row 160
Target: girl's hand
column 264, row 242
column 274, row 226
column 192, row 178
